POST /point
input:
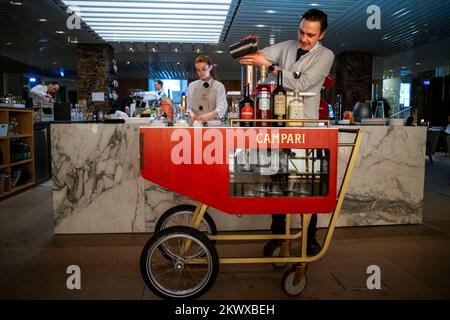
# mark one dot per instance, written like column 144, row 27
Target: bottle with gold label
column 296, row 110
column 246, row 108
column 279, row 101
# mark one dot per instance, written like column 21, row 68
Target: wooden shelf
column 20, row 136
column 22, row 186
column 18, row 163
column 25, row 119
column 4, row 194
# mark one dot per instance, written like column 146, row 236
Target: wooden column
column 93, row 62
column 354, row 77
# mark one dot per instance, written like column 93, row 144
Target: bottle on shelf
column 181, row 121
column 247, row 108
column 233, row 112
column 296, row 110
column 263, row 99
column 279, row 99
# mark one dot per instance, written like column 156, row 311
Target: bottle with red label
column 263, row 103
column 246, row 108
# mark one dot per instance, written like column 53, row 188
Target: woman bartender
column 206, row 98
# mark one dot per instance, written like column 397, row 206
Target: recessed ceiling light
column 197, row 50
column 391, row 70
column 270, row 11
column 178, row 63
column 153, row 49
column 60, row 32
column 131, row 49
column 314, row 4
column 418, row 63
column 128, row 62
column 260, row 25
column 153, row 20
column 16, row 3
column 54, row 62
column 43, row 20
column 219, row 51
column 403, row 67
column 176, row 49
column 8, row 43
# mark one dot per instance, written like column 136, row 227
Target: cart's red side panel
column 194, row 163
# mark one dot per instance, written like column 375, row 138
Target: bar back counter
column 98, row 187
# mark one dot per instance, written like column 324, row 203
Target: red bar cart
column 238, row 171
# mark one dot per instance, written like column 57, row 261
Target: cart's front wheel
column 191, row 269
column 292, row 287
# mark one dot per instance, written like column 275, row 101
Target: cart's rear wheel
column 181, row 216
column 276, row 252
column 188, row 274
column 289, row 285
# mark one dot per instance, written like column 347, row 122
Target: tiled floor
column 414, row 259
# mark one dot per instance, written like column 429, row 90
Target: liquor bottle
column 233, row 112
column 246, row 108
column 181, row 121
column 263, row 104
column 279, row 99
column 296, row 110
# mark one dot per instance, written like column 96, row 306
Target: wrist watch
column 272, row 67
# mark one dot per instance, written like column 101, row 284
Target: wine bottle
column 279, row 99
column 263, row 99
column 246, row 108
column 296, row 110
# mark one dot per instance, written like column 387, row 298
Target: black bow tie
column 300, row 52
column 206, row 84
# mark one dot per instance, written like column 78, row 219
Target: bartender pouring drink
column 42, row 93
column 206, row 98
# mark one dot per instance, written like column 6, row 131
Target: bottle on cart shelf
column 181, row 121
column 247, row 108
column 263, row 99
column 279, row 99
column 233, row 112
column 296, row 110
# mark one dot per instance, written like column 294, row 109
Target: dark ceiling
column 404, row 25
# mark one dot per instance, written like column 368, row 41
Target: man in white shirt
column 44, row 92
column 305, row 64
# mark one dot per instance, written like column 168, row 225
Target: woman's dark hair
column 209, row 62
column 54, row 83
column 317, row 15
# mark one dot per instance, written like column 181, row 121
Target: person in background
column 409, row 121
column 158, row 84
column 44, row 93
column 123, row 103
column 312, row 61
column 206, row 97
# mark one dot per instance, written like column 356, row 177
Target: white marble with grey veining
column 98, row 189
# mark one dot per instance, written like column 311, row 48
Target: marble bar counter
column 98, row 188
